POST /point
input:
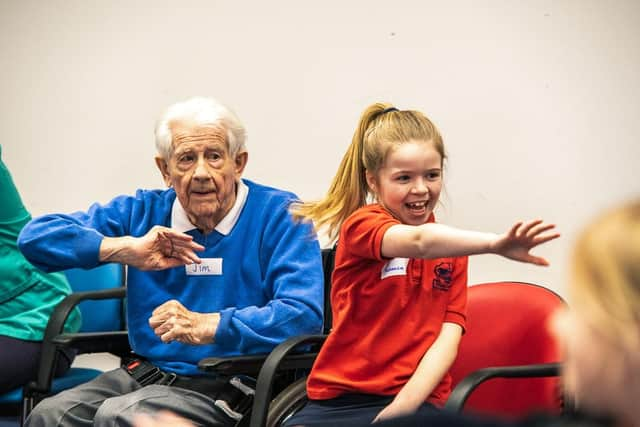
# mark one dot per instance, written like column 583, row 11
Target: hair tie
column 383, row 112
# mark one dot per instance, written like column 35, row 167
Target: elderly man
column 217, row 266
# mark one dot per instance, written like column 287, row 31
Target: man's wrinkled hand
column 171, row 321
column 159, row 249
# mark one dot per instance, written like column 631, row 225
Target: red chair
column 507, row 342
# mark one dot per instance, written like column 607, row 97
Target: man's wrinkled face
column 202, row 172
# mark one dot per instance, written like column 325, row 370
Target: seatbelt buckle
column 143, row 372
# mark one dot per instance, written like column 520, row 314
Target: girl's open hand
column 517, row 243
column 393, row 410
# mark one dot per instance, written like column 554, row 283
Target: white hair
column 201, row 111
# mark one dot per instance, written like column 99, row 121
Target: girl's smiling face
column 409, row 182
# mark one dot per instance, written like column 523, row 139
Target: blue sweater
column 270, row 287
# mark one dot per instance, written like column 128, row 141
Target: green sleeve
column 11, row 207
column 27, row 295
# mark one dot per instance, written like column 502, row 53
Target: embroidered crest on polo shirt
column 444, row 276
column 395, row 267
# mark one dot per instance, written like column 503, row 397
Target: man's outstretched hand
column 159, row 249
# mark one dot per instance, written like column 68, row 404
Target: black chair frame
column 467, row 386
column 55, row 341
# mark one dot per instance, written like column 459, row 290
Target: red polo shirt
column 386, row 312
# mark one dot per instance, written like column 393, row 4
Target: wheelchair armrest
column 116, row 342
column 249, row 364
column 55, row 327
column 463, row 390
column 280, row 358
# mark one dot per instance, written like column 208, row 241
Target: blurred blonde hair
column 606, row 275
column 381, row 127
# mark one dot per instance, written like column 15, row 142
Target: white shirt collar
column 180, row 221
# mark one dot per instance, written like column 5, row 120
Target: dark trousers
column 345, row 411
column 19, row 362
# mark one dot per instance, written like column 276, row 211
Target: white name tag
column 208, row 267
column 395, row 267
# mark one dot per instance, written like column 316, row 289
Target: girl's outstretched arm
column 432, row 367
column 432, row 240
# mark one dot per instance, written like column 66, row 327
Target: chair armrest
column 55, row 327
column 231, row 365
column 251, row 364
column 463, row 390
column 116, row 342
column 280, row 358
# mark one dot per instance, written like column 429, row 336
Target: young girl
column 399, row 284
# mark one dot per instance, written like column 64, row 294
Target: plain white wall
column 538, row 101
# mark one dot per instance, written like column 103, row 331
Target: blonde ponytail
column 349, row 189
column 381, row 128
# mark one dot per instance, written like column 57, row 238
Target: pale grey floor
column 102, row 361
